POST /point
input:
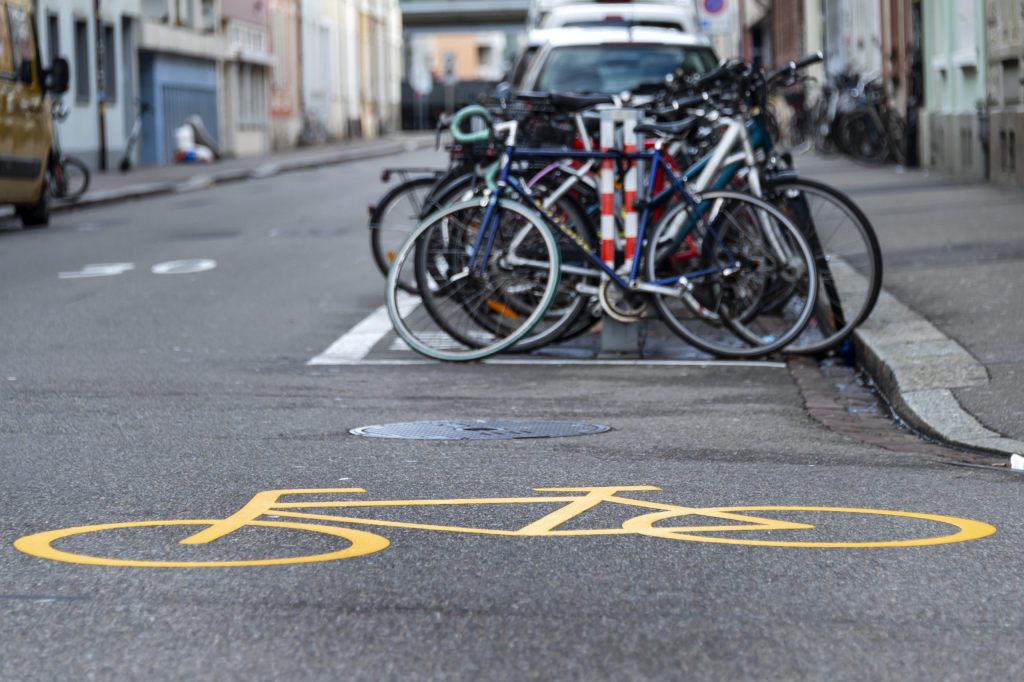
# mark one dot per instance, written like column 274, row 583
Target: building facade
column 69, row 29
column 245, row 78
column 954, row 64
column 1004, row 29
column 261, row 74
column 180, row 48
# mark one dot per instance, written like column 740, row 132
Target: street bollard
column 619, row 339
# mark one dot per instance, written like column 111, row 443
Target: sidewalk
column 946, row 342
column 154, row 180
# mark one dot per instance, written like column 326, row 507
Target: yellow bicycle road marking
column 361, row 543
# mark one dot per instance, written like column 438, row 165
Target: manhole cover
column 479, row 429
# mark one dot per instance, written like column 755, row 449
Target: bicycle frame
column 665, row 286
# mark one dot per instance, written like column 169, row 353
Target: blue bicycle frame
column 653, row 158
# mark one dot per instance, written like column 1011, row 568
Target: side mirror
column 25, row 72
column 503, row 92
column 59, row 76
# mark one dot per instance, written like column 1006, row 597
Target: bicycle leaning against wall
column 68, row 175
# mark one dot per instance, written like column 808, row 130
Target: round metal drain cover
column 479, row 429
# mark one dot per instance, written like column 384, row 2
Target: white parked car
column 677, row 16
column 608, row 60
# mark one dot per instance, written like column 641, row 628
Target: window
column 23, row 45
column 109, row 64
column 6, row 61
column 52, row 37
column 613, row 68
column 82, row 70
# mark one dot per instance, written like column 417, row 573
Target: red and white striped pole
column 629, row 185
column 608, row 189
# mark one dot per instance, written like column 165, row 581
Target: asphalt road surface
column 142, row 396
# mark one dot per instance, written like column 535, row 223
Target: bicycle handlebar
column 809, row 59
column 466, row 114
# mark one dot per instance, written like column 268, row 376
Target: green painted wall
column 955, row 59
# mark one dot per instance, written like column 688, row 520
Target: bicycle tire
column 520, row 294
column 723, row 313
column 835, row 254
column 864, row 138
column 564, row 318
column 391, row 222
column 76, row 181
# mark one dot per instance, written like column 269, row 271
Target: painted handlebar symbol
column 728, row 525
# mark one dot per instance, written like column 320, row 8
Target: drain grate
column 479, row 429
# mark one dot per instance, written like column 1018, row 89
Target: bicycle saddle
column 670, row 129
column 567, row 102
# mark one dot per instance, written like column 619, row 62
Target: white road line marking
column 355, row 344
column 98, row 270
column 353, row 347
column 184, row 267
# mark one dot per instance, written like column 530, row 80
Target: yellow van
column 26, row 135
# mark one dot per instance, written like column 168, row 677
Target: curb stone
column 917, row 367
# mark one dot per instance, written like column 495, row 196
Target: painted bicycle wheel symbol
column 759, row 526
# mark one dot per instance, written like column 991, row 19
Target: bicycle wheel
column 393, row 219
column 565, row 316
column 76, row 178
column 739, row 253
column 864, row 138
column 463, row 313
column 846, row 253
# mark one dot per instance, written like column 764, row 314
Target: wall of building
column 286, row 78
column 853, row 36
column 59, row 24
column 176, row 87
column 245, row 78
column 1005, row 91
column 954, row 72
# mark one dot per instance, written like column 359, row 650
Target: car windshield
column 611, row 69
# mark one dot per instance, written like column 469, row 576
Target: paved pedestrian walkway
column 953, row 252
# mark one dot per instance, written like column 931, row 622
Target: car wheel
column 38, row 214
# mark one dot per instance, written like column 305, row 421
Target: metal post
column 101, row 84
column 619, row 338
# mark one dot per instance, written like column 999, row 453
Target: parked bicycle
column 716, row 127
column 68, row 175
column 852, row 115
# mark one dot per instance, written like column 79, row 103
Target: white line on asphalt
column 353, row 347
column 355, row 344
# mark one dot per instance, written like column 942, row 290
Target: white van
column 678, row 15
